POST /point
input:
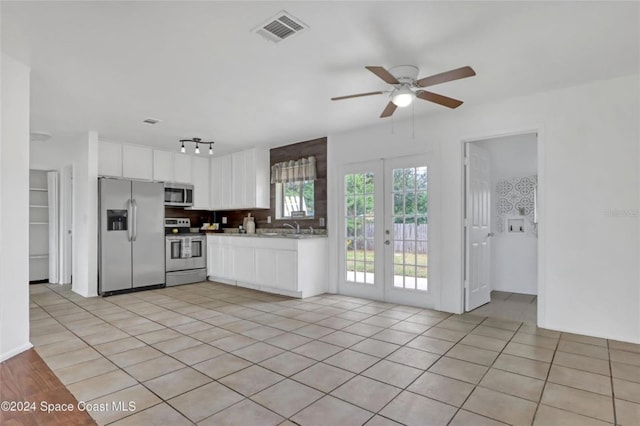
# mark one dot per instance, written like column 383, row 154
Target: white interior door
column 384, row 231
column 477, row 226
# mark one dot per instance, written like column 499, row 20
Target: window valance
column 294, row 170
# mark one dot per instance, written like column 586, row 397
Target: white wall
column 514, row 257
column 588, row 165
column 14, row 208
column 80, row 151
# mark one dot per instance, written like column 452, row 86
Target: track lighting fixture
column 197, row 141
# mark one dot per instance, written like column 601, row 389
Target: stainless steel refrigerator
column 131, row 236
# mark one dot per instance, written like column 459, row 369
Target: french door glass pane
column 409, row 233
column 359, row 221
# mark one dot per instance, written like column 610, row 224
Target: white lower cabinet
column 269, row 264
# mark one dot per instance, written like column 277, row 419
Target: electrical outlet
column 322, row 222
column 224, row 220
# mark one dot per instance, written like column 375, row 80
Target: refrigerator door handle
column 135, row 219
column 129, row 220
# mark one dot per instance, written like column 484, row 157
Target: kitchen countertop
column 286, row 235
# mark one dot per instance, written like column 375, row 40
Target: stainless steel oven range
column 185, row 253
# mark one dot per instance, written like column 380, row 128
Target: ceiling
column 197, row 66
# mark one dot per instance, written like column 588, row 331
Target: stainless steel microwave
column 178, row 194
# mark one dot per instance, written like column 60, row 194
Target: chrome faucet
column 296, row 228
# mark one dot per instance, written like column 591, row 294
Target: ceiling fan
column 407, row 86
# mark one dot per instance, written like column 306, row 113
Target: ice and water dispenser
column 116, row 220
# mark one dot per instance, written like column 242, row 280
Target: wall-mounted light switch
column 321, row 221
column 268, row 219
column 224, row 220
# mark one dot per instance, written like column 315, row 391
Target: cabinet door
column 250, row 178
column 109, row 159
column 182, row 168
column 163, row 167
column 226, row 255
column 244, row 264
column 200, row 179
column 266, row 267
column 137, row 162
column 226, row 187
column 215, row 184
column 261, row 178
column 286, row 270
column 220, row 259
column 239, row 181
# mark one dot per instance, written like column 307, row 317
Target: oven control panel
column 176, row 222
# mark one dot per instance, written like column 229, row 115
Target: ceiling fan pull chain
column 413, row 120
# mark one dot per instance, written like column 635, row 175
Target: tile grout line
column 546, row 380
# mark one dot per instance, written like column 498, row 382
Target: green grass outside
column 409, row 270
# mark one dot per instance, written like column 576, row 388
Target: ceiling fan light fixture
column 403, row 97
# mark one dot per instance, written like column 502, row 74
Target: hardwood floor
column 26, row 378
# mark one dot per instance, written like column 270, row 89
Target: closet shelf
column 38, row 189
column 38, row 223
column 38, row 256
column 38, row 206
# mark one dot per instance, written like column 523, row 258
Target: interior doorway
column 50, row 225
column 501, row 227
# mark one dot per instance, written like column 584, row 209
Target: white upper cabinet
column 221, row 183
column 201, row 182
column 233, row 181
column 240, row 180
column 171, row 166
column 163, row 165
column 182, row 168
column 137, row 162
column 109, row 159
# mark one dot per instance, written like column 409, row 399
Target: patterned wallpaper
column 514, row 196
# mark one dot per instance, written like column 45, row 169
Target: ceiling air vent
column 280, row 26
column 151, row 121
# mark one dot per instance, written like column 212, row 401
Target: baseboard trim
column 10, row 354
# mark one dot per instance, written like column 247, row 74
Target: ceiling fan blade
column 439, row 99
column 389, row 110
column 456, row 74
column 383, row 74
column 356, row 96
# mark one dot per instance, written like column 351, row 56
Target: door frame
column 432, row 157
column 538, row 129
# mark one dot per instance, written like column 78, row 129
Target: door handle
column 129, row 220
column 135, row 219
column 387, row 242
column 491, row 234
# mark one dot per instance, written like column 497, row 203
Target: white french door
column 384, row 240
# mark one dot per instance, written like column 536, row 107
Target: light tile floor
column 213, row 354
column 510, row 306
